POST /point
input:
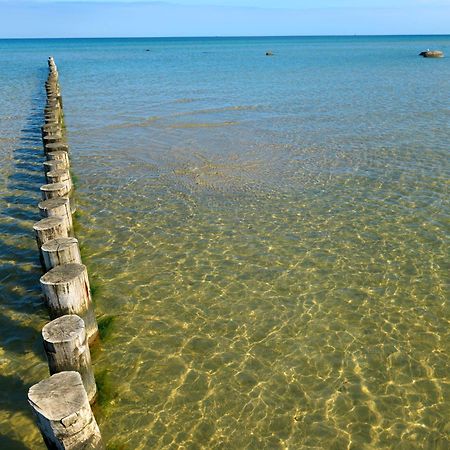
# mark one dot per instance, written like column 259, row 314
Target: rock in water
column 432, row 54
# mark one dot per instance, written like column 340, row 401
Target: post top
column 63, row 329
column 59, row 397
column 53, row 203
column 57, row 172
column 55, row 152
column 58, row 244
column 53, row 162
column 52, row 137
column 63, row 274
column 53, row 187
column 47, row 223
column 51, row 126
column 56, row 145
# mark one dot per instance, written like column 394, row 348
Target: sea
column 266, row 238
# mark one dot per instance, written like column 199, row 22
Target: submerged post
column 66, row 347
column 66, row 290
column 63, row 413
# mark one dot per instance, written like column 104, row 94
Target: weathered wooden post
column 51, row 117
column 52, row 123
column 59, row 176
column 54, row 165
column 66, row 347
column 58, row 206
column 66, row 290
column 60, row 251
column 53, row 104
column 50, row 228
column 53, row 190
column 56, row 147
column 52, row 108
column 52, row 138
column 50, row 128
column 63, row 413
column 50, row 113
column 59, row 156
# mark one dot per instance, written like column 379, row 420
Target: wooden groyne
column 61, row 403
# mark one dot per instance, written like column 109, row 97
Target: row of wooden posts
column 62, row 402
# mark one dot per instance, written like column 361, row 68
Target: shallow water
column 270, row 235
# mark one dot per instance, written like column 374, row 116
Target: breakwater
column 62, row 402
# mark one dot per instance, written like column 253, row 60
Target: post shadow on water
column 20, row 293
column 14, row 400
column 8, row 443
column 20, row 339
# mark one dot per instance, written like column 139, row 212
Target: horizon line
column 224, row 36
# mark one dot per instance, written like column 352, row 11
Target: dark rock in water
column 147, row 50
column 269, row 54
column 432, row 54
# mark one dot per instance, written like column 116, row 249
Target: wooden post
column 58, row 206
column 50, row 228
column 53, row 103
column 51, row 126
column 57, row 147
column 50, row 115
column 50, row 129
column 53, row 190
column 51, row 88
column 66, row 290
column 52, row 138
column 54, row 165
column 52, row 109
column 64, row 416
column 60, row 251
column 51, row 106
column 66, row 347
column 52, row 119
column 58, row 155
column 50, row 123
column 59, row 176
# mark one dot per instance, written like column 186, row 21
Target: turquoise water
column 270, row 235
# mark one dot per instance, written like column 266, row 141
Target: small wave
column 217, row 110
column 202, row 125
column 184, row 100
column 144, row 123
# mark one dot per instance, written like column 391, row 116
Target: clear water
column 270, row 234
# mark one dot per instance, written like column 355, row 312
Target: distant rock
column 432, row 54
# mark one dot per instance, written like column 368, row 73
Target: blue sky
column 109, row 18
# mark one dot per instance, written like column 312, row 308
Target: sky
column 144, row 18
